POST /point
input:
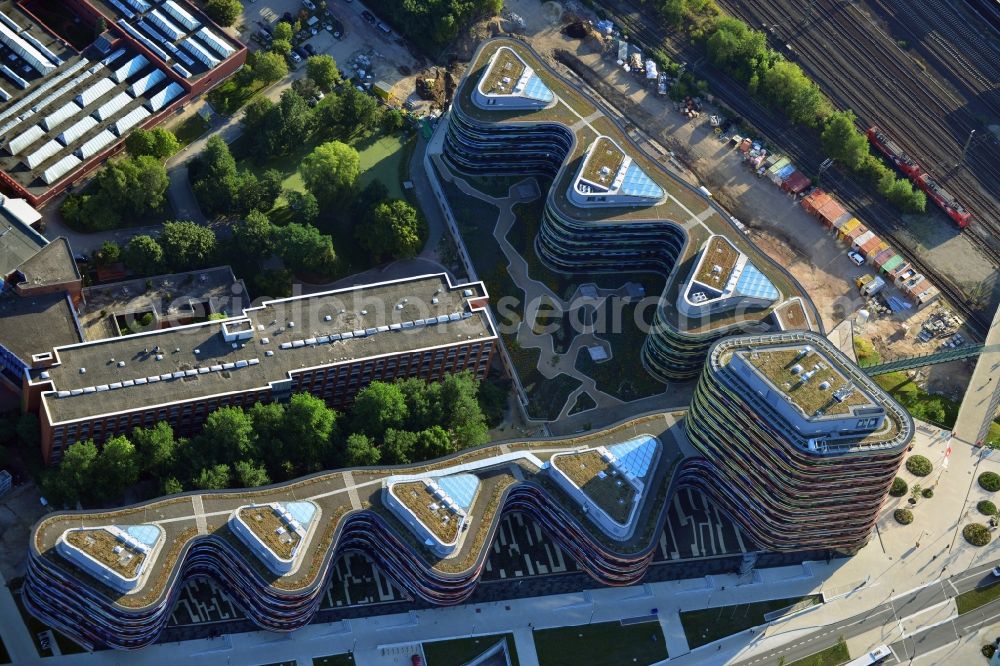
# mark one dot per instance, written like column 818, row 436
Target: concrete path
column 537, row 295
column 979, row 406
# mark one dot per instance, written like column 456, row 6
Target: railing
column 933, row 358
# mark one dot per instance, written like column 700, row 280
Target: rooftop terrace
column 271, row 529
column 418, row 497
column 599, row 480
column 602, row 163
column 717, row 263
column 504, row 74
column 808, row 379
column 122, row 558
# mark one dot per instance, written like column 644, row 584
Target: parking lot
column 362, row 45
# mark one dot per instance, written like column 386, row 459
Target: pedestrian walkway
column 982, row 397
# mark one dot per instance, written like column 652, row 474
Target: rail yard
column 802, row 146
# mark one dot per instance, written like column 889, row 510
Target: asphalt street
column 910, row 603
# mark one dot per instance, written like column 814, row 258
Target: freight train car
column 940, row 196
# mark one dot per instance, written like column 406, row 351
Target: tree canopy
column 322, row 69
column 391, row 230
column 157, row 142
column 186, row 245
column 224, row 12
column 143, row 255
column 330, row 171
column 303, row 248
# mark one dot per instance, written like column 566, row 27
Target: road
column 891, row 611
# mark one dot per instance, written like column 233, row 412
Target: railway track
column 892, row 80
column 803, row 150
column 929, row 114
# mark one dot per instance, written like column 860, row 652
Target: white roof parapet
column 95, row 92
column 31, row 55
column 95, row 145
column 130, row 68
column 45, row 152
column 129, row 120
column 216, row 42
column 164, row 97
column 112, row 106
column 166, row 25
column 25, row 139
column 66, row 111
column 76, row 130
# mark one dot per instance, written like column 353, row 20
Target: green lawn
column 334, row 660
column 973, row 599
column 460, row 651
column 582, row 404
column 866, row 352
column 193, row 127
column 705, row 626
column 937, row 409
column 606, row 644
column 832, row 656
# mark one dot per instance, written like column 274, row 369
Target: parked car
column 996, row 571
column 384, row 28
column 856, row 258
column 310, row 49
column 301, row 52
column 368, row 16
column 309, row 5
column 296, row 58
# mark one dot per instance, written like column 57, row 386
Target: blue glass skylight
column 755, row 284
column 303, row 512
column 535, row 89
column 638, row 184
column 460, row 487
column 147, row 534
column 635, row 455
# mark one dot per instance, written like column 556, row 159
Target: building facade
column 609, row 207
column 331, row 344
column 797, row 444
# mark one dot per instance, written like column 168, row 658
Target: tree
column 282, row 30
column 143, row 255
column 281, row 46
column 250, row 474
column 360, row 451
column 304, row 204
column 215, row 477
column 115, row 469
column 268, row 67
column 215, row 179
column 156, row 448
column 330, row 171
column 357, row 110
column 254, row 113
column 463, row 417
column 109, row 253
column 322, row 69
column 786, row 86
column 227, row 436
column 308, row 429
column 270, row 189
column 738, row 50
column 392, row 230
column 172, row 486
column 76, row 469
column 392, row 120
column 157, row 142
column 304, row 249
column 224, row 12
column 433, row 442
column 253, row 236
column 492, row 399
column 286, row 127
column 269, row 430
column 186, row 245
column 842, row 141
column 398, row 447
column 133, row 185
column 378, row 407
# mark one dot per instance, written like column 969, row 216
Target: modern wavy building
column 797, row 443
column 112, row 578
column 610, row 207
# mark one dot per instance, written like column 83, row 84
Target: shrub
column 988, row 650
column 919, row 466
column 989, row 481
column 898, row 488
column 903, row 516
column 927, row 493
column 987, row 508
column 977, row 534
